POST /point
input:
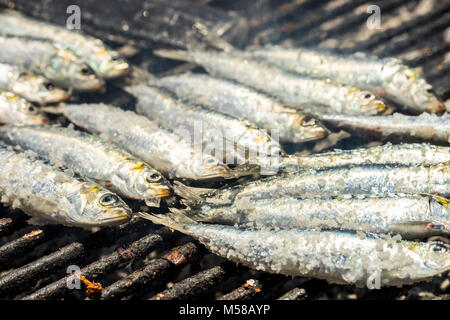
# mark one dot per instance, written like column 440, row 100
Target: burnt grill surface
column 141, row 260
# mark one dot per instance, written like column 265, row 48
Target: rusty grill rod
column 196, row 285
column 100, row 268
column 247, row 291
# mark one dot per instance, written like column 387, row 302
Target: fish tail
column 190, row 194
column 52, row 109
column 174, row 54
column 244, row 170
column 176, row 219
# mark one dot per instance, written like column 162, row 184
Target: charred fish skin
column 340, row 257
column 413, row 217
column 60, row 66
column 91, row 157
column 106, row 62
column 428, row 127
column 18, row 111
column 52, row 196
column 403, row 154
column 164, row 151
column 245, row 103
column 294, row 91
column 334, row 182
column 388, row 76
column 171, row 113
column 33, row 88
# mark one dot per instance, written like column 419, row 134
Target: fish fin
column 138, row 76
column 173, row 54
column 52, row 109
column 442, row 200
column 246, row 169
column 175, row 219
column 190, row 193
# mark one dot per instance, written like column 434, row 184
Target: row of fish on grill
column 343, row 215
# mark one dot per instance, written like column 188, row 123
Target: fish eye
column 430, row 90
column 368, row 96
column 109, row 199
column 116, row 58
column 439, row 247
column 308, row 121
column 153, row 177
column 210, row 160
column 85, row 70
column 49, row 86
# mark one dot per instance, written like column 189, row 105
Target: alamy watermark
column 73, row 22
column 374, row 20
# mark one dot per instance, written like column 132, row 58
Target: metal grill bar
column 294, row 294
column 196, row 285
column 100, row 268
column 154, row 274
column 247, row 291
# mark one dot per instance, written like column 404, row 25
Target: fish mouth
column 380, row 107
column 436, row 107
column 116, row 216
column 56, row 96
column 163, row 192
column 119, row 70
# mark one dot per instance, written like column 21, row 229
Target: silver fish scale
column 338, row 257
column 138, row 135
column 46, row 193
column 42, row 57
column 105, row 61
column 31, row 87
column 387, row 76
column 423, row 127
column 18, row 111
column 404, row 154
column 175, row 115
column 87, row 155
column 370, row 179
column 293, row 90
column 243, row 102
column 369, row 214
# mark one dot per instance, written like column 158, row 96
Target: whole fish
column 105, row 62
column 294, row 91
column 59, row 65
column 336, row 182
column 16, row 110
column 173, row 114
column 411, row 216
column 388, row 77
column 242, row 102
column 404, row 154
column 164, row 151
column 32, row 87
column 91, row 157
column 341, row 257
column 429, row 127
column 52, row 196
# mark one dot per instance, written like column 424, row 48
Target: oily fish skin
column 52, row 196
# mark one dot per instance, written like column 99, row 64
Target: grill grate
column 130, row 260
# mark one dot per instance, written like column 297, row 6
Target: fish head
column 108, row 64
column 440, row 212
column 434, row 258
column 415, row 92
column 68, row 70
column 308, row 129
column 207, row 167
column 148, row 183
column 99, row 207
column 22, row 112
column 38, row 89
column 366, row 101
